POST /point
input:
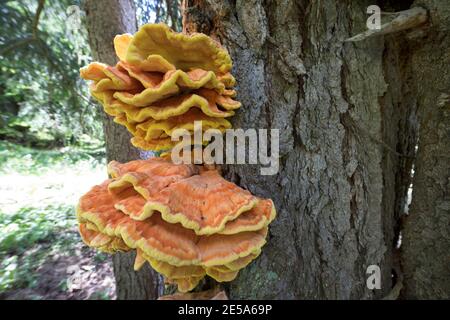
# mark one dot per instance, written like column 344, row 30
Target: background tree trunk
column 339, row 107
column 106, row 19
column 426, row 241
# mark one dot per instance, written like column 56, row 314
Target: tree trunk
column 347, row 116
column 426, row 241
column 106, row 19
column 339, row 107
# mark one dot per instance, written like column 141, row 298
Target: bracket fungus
column 184, row 220
column 164, row 81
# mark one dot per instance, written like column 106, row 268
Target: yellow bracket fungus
column 160, row 78
column 186, row 221
column 185, row 52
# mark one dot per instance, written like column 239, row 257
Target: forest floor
column 41, row 253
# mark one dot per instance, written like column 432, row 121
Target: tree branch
column 37, row 16
column 407, row 19
column 16, row 43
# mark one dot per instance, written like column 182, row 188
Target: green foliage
column 40, row 86
column 100, row 296
column 17, row 158
column 8, row 272
column 43, row 44
column 38, row 231
column 28, row 226
column 21, row 232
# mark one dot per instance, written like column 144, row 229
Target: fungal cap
column 185, row 52
column 172, row 107
column 121, row 44
column 203, row 203
column 108, row 78
column 255, row 219
column 155, row 128
column 171, row 84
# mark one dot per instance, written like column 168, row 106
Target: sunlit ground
column 41, row 253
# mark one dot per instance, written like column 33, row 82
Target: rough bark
column 105, row 19
column 426, row 241
column 340, row 154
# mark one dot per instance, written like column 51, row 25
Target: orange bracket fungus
column 185, row 222
column 164, row 81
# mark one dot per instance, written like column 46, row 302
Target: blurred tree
column 154, row 11
column 106, row 19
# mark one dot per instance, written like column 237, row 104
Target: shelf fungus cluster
column 184, row 220
column 165, row 81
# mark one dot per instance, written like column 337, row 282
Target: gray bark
column 347, row 114
column 339, row 107
column 105, row 19
column 426, row 241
